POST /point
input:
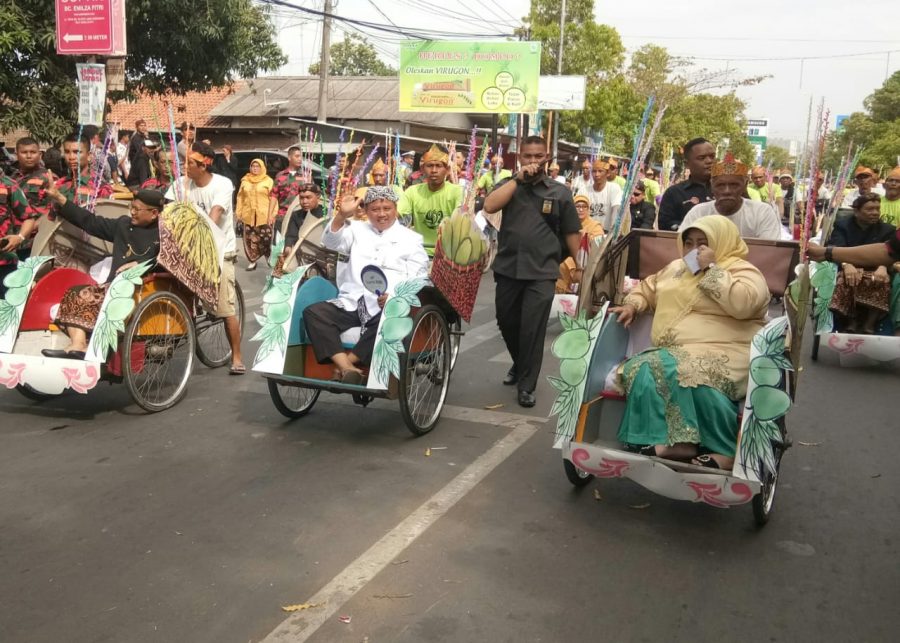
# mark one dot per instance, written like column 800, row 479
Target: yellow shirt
column 253, row 202
column 890, row 211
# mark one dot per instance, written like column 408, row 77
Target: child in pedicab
column 682, row 393
column 381, row 242
column 135, row 239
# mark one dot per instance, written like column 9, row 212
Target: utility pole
column 322, row 114
column 559, row 70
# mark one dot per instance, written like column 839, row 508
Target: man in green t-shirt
column 493, row 176
column 890, row 202
column 425, row 205
column 651, row 186
column 759, row 190
column 612, row 172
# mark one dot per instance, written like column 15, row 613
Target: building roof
column 194, row 107
column 368, row 98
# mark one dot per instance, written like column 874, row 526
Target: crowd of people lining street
column 545, row 217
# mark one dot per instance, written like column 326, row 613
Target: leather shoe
column 511, row 377
column 527, row 399
column 54, row 352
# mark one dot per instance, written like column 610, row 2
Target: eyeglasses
column 137, row 209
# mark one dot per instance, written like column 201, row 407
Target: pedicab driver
column 211, row 194
column 382, row 242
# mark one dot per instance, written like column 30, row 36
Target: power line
column 757, row 39
column 424, row 34
column 825, row 57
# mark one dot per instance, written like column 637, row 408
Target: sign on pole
column 562, row 92
column 469, row 77
column 91, row 93
column 90, row 27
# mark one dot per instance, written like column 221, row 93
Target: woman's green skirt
column 658, row 410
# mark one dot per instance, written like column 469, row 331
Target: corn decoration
column 188, row 249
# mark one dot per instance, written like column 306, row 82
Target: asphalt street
column 200, row 523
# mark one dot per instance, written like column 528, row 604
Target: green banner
column 469, row 77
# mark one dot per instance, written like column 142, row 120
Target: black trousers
column 523, row 308
column 324, row 324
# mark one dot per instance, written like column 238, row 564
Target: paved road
column 200, row 523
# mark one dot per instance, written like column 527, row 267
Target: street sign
column 90, row 27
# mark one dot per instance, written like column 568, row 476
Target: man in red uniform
column 287, row 184
column 16, row 224
column 77, row 156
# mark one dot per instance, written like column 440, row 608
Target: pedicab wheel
column 455, row 341
column 763, row 501
column 158, row 352
column 292, row 401
column 425, row 370
column 213, row 348
column 575, row 475
column 33, row 394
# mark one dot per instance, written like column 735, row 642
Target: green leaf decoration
column 408, row 289
column 566, row 321
column 769, row 402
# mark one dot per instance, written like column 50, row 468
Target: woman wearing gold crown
column 682, row 394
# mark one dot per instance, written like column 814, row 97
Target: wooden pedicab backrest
column 650, row 251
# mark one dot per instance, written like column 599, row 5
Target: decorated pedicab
column 150, row 325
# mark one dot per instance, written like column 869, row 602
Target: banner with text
column 469, row 77
column 91, row 93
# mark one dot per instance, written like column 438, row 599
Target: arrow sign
column 70, row 37
column 84, row 27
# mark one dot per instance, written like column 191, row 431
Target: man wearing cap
column 405, row 167
column 554, row 174
column 605, row 196
column 494, row 175
column 651, row 186
column 381, row 242
column 678, row 199
column 788, row 190
column 135, row 239
column 211, row 195
column 539, row 219
column 583, row 180
column 136, row 146
column 754, row 219
column 865, row 184
column 612, row 174
column 760, row 190
column 425, row 205
column 890, row 202
column 142, row 167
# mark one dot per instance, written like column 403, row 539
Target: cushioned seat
column 310, row 292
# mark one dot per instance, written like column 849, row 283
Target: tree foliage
column 173, row 45
column 877, row 130
column 776, row 157
column 354, row 56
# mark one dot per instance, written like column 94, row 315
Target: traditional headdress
column 436, row 154
column 600, row 165
column 378, row 166
column 862, row 169
column 894, row 174
column 378, row 192
column 729, row 166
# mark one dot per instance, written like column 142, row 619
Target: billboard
column 562, row 92
column 469, row 77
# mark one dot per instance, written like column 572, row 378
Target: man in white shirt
column 211, row 194
column 865, row 184
column 583, row 180
column 381, row 241
column 605, row 196
column 754, row 219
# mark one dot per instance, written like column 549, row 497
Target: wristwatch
column 829, row 253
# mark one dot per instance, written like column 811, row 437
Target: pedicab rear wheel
column 158, row 352
column 575, row 475
column 425, row 370
column 455, row 341
column 290, row 400
column 213, row 348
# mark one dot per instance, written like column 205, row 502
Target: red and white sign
column 90, row 27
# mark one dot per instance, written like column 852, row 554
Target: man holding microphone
column 539, row 223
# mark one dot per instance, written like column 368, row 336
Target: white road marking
column 502, row 358
column 302, row 625
column 478, row 335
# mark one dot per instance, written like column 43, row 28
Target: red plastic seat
column 47, row 293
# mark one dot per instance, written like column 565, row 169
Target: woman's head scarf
column 256, row 178
column 722, row 236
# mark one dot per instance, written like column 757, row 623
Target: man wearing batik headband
column 754, row 219
column 381, row 241
column 425, row 205
column 211, row 195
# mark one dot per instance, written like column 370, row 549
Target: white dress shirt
column 398, row 251
column 755, row 219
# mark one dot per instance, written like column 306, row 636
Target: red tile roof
column 193, row 106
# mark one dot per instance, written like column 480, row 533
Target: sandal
column 707, row 461
column 237, row 369
column 352, row 377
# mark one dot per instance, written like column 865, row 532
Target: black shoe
column 527, row 399
column 511, row 377
column 54, row 352
column 75, row 354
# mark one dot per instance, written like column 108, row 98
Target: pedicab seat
column 47, row 293
column 312, row 292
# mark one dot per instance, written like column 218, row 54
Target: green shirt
column 890, row 211
column 651, row 190
column 423, row 210
column 762, row 194
column 486, row 181
column 620, row 181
